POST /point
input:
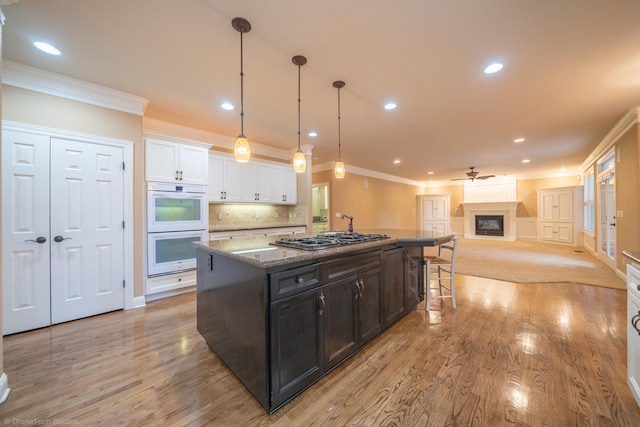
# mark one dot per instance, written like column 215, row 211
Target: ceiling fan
column 473, row 175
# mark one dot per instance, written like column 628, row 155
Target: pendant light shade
column 339, row 170
column 299, row 159
column 241, row 149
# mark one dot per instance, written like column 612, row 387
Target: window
column 589, row 207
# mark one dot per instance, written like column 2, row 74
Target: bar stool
column 443, row 266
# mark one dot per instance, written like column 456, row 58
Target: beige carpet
column 532, row 262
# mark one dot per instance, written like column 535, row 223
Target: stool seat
column 443, row 268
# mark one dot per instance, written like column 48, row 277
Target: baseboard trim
column 4, row 388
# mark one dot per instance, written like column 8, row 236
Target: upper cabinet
column 173, row 162
column 255, row 182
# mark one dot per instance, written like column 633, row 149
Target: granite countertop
column 633, row 256
column 259, row 252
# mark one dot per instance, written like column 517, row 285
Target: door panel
column 25, row 263
column 86, row 217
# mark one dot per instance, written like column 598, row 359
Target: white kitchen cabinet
column 433, row 213
column 169, row 282
column 168, row 161
column 559, row 215
column 253, row 182
column 633, row 329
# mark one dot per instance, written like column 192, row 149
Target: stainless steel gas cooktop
column 327, row 240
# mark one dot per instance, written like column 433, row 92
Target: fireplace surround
column 505, row 209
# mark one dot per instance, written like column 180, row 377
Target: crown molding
column 368, row 173
column 37, row 80
column 157, row 128
column 626, row 122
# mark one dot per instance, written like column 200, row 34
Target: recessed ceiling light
column 227, row 106
column 493, row 68
column 47, row 48
column 526, row 161
column 518, row 140
column 390, row 106
column 396, row 161
column 430, row 173
column 313, row 134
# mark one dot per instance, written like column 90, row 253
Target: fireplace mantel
column 505, row 208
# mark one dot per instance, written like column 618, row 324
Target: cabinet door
column 413, row 276
column 290, row 186
column 633, row 332
column 264, row 183
column 232, row 178
column 370, row 306
column 296, row 344
column 394, row 296
column 547, row 231
column 564, row 203
column 249, row 182
column 564, row 233
column 215, row 187
column 547, row 210
column 162, row 162
column 193, row 162
column 277, row 184
column 340, row 320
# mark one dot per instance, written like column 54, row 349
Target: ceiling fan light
column 241, row 149
column 299, row 162
column 340, row 170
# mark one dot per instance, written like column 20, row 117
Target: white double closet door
column 62, row 230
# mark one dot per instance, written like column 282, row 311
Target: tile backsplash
column 223, row 216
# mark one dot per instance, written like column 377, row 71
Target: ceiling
column 571, row 71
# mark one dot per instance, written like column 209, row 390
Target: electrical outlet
column 338, row 214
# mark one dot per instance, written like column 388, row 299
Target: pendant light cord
column 241, row 88
column 339, row 145
column 299, row 107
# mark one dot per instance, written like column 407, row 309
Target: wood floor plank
column 511, row 354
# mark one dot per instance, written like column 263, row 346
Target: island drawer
column 289, row 282
column 352, row 265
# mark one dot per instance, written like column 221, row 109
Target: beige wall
column 386, row 204
column 373, row 203
column 627, row 194
column 25, row 106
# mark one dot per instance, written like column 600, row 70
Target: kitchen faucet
column 350, row 222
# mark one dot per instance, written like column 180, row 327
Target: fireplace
column 490, row 225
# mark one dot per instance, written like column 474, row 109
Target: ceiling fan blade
column 485, row 177
column 460, row 179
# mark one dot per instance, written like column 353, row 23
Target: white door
column 25, row 232
column 45, row 281
column 87, row 233
column 608, row 219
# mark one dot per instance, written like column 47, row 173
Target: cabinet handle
column 634, row 322
column 359, row 291
column 177, row 175
column 361, row 288
column 322, row 304
column 180, row 175
column 299, row 280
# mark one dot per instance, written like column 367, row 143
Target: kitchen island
column 281, row 318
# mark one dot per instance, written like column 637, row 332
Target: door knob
column 60, row 238
column 40, row 239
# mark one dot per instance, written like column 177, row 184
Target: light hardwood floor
column 526, row 355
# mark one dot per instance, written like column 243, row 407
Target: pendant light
column 299, row 159
column 340, row 170
column 241, row 149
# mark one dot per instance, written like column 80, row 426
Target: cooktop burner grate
column 328, row 240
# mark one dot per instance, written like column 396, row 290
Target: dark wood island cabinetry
column 281, row 318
